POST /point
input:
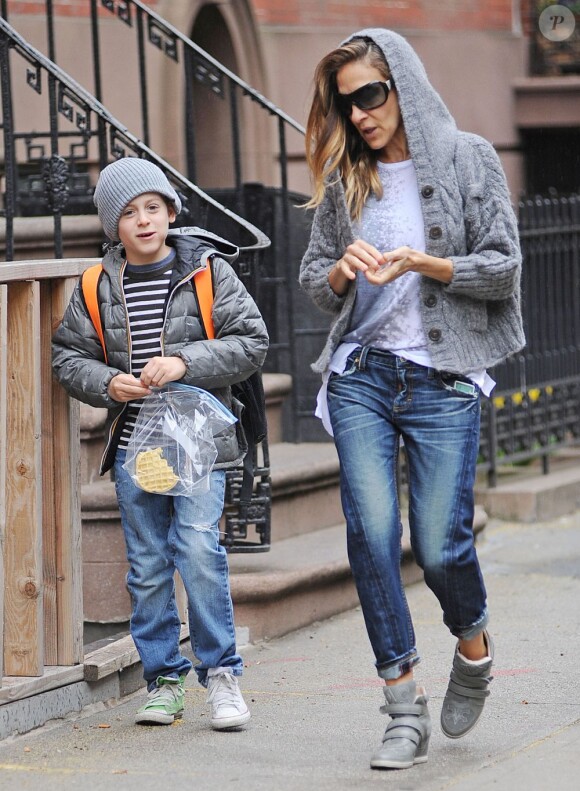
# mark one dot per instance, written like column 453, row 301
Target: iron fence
column 535, row 408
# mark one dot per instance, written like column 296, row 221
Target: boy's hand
column 125, row 387
column 161, row 370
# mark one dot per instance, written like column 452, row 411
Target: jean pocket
column 350, row 366
column 458, row 385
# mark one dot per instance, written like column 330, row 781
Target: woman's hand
column 404, row 259
column 358, row 257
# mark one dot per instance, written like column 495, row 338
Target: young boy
column 153, row 335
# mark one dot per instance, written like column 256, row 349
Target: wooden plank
column 23, row 633
column 18, row 688
column 49, row 561
column 116, row 656
column 3, row 368
column 66, row 498
column 43, row 270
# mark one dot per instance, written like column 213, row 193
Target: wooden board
column 3, row 367
column 23, row 632
column 61, row 517
column 43, row 270
column 116, row 656
column 49, row 454
column 66, row 499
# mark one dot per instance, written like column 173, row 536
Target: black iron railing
column 535, row 409
column 535, row 406
column 79, row 131
column 233, row 142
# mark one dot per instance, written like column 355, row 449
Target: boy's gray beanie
column 123, row 180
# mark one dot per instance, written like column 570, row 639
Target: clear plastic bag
column 172, row 449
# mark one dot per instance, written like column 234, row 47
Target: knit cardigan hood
column 473, row 322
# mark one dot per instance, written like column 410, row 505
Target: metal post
column 9, row 148
column 143, row 78
column 188, row 68
column 289, row 276
column 50, row 31
column 234, row 120
column 96, row 51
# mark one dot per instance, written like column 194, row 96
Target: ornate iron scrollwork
column 162, row 38
column 33, row 73
column 211, row 78
column 120, row 144
column 122, row 9
column 55, row 174
column 67, row 102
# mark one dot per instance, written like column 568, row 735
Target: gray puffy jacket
column 238, row 349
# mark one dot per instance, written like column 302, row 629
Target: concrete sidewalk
column 315, row 701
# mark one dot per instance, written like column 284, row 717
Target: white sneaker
column 228, row 708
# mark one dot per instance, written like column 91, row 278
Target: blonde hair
column 332, row 142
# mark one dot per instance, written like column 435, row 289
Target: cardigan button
column 435, row 335
column 431, row 301
column 435, row 232
column 427, row 191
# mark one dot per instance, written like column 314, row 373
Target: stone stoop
column 305, row 578
column 524, row 494
column 305, row 498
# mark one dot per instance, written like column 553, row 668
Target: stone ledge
column 534, row 498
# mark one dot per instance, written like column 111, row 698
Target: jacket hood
column 194, row 246
column 430, row 128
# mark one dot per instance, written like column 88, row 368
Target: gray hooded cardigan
column 474, row 322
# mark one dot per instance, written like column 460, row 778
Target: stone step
column 305, row 497
column 304, row 579
column 524, row 494
column 305, row 488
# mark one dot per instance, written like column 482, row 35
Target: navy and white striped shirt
column 146, row 289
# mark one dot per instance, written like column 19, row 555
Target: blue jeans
column 164, row 534
column 377, row 400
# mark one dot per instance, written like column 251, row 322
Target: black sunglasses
column 368, row 97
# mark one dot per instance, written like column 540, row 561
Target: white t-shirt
column 388, row 317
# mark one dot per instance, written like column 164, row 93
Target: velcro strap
column 397, row 709
column 405, row 728
column 468, row 692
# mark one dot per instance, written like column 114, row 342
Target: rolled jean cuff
column 398, row 668
column 471, row 631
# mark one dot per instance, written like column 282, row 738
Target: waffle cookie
column 153, row 473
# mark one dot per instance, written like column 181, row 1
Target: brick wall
column 80, row 8
column 400, row 14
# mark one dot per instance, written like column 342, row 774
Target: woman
column 414, row 247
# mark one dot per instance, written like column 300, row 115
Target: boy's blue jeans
column 378, row 399
column 164, row 534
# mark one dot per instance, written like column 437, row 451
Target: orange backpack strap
column 89, row 285
column 203, row 284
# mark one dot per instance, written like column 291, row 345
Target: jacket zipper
column 129, row 348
